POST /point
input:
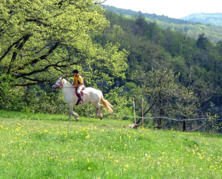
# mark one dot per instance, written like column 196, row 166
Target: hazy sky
column 171, row 8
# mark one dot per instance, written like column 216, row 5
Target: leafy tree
column 166, row 97
column 42, row 38
column 202, row 42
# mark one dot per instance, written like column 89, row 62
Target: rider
column 78, row 84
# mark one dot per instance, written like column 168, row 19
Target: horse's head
column 59, row 83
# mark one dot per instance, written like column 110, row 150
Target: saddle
column 81, row 92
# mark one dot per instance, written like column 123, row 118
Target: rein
column 60, row 85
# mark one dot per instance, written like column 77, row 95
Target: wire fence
column 189, row 124
column 184, row 124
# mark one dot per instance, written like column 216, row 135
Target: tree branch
column 37, row 21
column 34, row 61
column 9, row 48
column 22, row 75
column 19, row 47
column 28, row 84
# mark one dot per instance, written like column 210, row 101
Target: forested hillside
column 205, row 18
column 176, row 75
column 189, row 26
column 179, row 76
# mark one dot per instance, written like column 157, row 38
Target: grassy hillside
column 48, row 146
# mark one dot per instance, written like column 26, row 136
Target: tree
column 202, row 42
column 165, row 97
column 41, row 40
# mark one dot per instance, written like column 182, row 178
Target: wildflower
column 87, row 137
column 116, row 161
column 3, row 154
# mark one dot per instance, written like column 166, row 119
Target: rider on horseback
column 78, row 84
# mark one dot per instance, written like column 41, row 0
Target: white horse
column 89, row 94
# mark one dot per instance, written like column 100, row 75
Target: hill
column 147, row 15
column 48, row 146
column 187, row 25
column 205, row 18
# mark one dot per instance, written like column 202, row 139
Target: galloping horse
column 89, row 94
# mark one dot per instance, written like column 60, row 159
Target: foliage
column 43, row 40
column 123, row 56
column 193, row 64
column 188, row 26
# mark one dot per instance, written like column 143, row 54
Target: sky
column 170, row 8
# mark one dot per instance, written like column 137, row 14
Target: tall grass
column 48, row 146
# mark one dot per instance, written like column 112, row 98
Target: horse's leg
column 99, row 110
column 75, row 115
column 71, row 112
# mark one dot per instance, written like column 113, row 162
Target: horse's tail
column 107, row 105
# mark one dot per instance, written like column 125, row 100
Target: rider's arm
column 80, row 80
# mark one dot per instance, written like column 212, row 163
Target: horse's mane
column 67, row 83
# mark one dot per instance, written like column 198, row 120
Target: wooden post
column 134, row 110
column 184, row 125
column 142, row 113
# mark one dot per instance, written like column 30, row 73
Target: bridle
column 60, row 85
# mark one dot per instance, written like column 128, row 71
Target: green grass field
column 48, row 146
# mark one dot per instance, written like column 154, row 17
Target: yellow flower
column 126, row 166
column 3, row 154
column 116, row 161
column 87, row 137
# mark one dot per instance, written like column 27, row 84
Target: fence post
column 184, row 125
column 142, row 113
column 134, row 110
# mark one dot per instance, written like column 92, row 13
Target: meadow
column 49, row 146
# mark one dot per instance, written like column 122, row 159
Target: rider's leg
column 78, row 94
